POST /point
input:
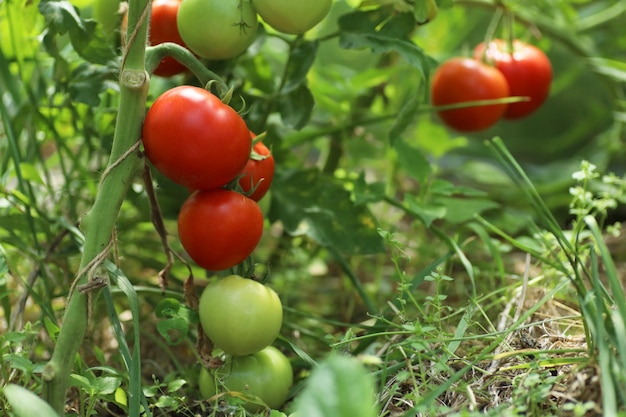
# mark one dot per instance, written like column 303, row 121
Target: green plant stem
column 99, row 223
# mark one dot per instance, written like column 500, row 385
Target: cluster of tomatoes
column 223, row 29
column 498, row 70
column 201, row 143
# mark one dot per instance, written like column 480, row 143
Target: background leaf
column 315, row 205
column 27, row 404
column 339, row 387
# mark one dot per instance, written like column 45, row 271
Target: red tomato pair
column 495, row 72
column 196, row 140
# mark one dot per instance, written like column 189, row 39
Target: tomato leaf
column 61, row 18
column 363, row 30
column 412, row 160
column 364, row 192
column 296, row 107
column 309, row 203
column 301, row 60
column 427, row 212
column 173, row 330
column 340, row 387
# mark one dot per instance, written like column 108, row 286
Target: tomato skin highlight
column 219, row 228
column 267, row 374
column 240, row 316
column 217, row 29
column 292, row 16
column 464, row 79
column 194, row 139
column 258, row 173
column 527, row 70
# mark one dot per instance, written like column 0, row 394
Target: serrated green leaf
column 173, row 330
column 106, row 385
column 296, row 107
column 62, row 17
column 364, row 192
column 301, row 59
column 460, row 210
column 87, row 81
column 18, row 362
column 412, row 160
column 167, row 307
column 339, row 387
column 309, row 203
column 427, row 212
column 363, row 30
column 80, row 381
column 26, row 404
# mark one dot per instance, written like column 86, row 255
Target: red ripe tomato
column 460, row 80
column 163, row 28
column 527, row 70
column 258, row 172
column 194, row 139
column 219, row 228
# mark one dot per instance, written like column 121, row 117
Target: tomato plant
column 217, row 29
column 461, row 80
column 257, row 175
column 240, row 316
column 267, row 375
column 219, row 228
column 292, row 16
column 194, row 139
column 527, row 70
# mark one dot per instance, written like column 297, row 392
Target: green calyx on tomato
column 292, row 16
column 527, row 70
column 219, row 228
column 194, row 139
column 460, row 80
column 240, row 316
column 217, row 29
column 266, row 375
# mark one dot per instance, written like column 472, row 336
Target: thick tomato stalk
column 460, row 80
column 219, row 228
column 256, row 177
column 527, row 70
column 194, row 139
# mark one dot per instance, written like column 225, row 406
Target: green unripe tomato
column 267, row 375
column 240, row 316
column 217, row 29
column 292, row 16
